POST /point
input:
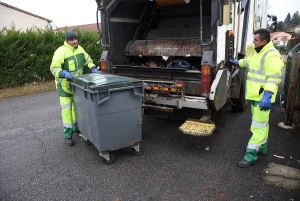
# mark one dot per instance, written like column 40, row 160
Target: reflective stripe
column 66, row 106
column 253, row 146
column 256, row 79
column 74, row 122
column 245, row 64
column 55, row 71
column 273, row 76
column 67, row 125
column 272, row 82
column 262, row 61
column 259, row 124
column 256, row 72
column 88, row 60
column 58, row 79
column 265, row 141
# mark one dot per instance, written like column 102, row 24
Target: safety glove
column 95, row 70
column 234, row 62
column 66, row 75
column 265, row 102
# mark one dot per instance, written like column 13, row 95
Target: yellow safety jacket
column 71, row 59
column 264, row 72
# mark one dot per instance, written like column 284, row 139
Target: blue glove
column 234, row 61
column 265, row 102
column 66, row 75
column 95, row 70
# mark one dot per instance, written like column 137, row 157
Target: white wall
column 20, row 20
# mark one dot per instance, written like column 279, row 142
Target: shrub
column 26, row 56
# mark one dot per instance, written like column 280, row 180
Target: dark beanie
column 70, row 35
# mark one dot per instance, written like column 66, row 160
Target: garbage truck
column 181, row 50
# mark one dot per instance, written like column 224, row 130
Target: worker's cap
column 71, row 35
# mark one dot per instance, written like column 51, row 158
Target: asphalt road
column 36, row 165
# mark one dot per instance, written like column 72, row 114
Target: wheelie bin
column 109, row 112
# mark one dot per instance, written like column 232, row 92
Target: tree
column 288, row 18
column 280, row 26
column 295, row 20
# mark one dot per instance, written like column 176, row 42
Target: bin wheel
column 135, row 152
column 84, row 138
column 110, row 161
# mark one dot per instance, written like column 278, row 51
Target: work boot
column 244, row 164
column 69, row 142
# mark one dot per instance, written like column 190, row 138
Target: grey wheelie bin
column 109, row 112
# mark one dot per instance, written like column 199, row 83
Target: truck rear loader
column 181, row 50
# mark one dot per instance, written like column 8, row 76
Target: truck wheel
column 241, row 104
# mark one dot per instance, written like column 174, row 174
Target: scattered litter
column 282, row 157
column 291, row 157
column 251, row 196
column 207, row 148
column 298, row 161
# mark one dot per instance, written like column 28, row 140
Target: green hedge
column 25, row 57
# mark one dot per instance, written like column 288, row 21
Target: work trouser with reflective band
column 260, row 131
column 68, row 116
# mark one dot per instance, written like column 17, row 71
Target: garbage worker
column 68, row 61
column 264, row 75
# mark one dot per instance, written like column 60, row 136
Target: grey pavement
column 36, row 165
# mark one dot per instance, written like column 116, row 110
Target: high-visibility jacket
column 71, row 59
column 264, row 72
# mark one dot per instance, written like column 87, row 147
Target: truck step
column 197, row 128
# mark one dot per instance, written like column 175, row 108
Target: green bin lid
column 101, row 82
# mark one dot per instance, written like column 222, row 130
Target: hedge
column 25, row 57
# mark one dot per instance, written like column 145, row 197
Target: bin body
column 109, row 110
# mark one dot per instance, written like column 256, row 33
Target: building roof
column 276, row 34
column 85, row 27
column 23, row 11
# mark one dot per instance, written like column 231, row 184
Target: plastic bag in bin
column 179, row 63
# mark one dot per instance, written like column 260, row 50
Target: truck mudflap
column 219, row 92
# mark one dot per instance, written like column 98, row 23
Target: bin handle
column 130, row 87
column 138, row 94
column 99, row 102
column 117, row 89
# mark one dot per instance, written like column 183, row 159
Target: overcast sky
column 78, row 12
column 282, row 7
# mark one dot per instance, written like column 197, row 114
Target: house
column 84, row 27
column 297, row 29
column 280, row 38
column 20, row 19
